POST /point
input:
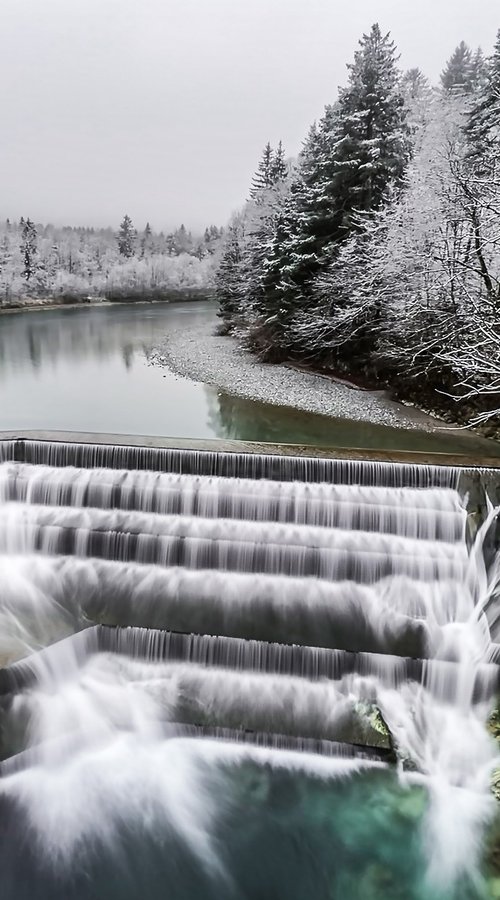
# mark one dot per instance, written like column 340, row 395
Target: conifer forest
column 375, row 255
column 44, row 263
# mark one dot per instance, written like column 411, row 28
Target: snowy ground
column 199, row 354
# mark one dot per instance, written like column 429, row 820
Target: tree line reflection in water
column 108, row 348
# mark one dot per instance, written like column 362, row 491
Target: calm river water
column 87, row 369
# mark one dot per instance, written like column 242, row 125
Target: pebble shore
column 199, row 354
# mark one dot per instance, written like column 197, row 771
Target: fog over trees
column 376, row 254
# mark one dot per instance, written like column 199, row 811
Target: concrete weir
column 282, row 594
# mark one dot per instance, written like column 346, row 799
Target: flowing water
column 233, row 676
column 87, row 369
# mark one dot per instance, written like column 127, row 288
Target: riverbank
column 71, row 302
column 39, row 306
column 202, row 355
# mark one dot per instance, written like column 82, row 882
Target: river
column 200, row 634
column 89, row 369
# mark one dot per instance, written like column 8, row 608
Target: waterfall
column 168, row 612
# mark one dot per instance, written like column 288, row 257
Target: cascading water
column 215, row 636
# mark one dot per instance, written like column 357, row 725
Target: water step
column 65, row 747
column 232, row 465
column 65, row 658
column 432, row 514
column 388, row 617
column 223, row 544
column 271, row 741
column 215, row 549
column 43, row 598
column 192, row 694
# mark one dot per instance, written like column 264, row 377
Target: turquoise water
column 87, row 370
column 84, row 829
column 276, row 834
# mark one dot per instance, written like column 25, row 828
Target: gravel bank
column 199, row 354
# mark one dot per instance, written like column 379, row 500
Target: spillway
column 314, row 615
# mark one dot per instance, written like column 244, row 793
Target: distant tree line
column 45, row 262
column 377, row 252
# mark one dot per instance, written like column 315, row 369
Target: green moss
column 493, row 723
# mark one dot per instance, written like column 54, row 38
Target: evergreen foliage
column 228, row 279
column 377, row 253
column 42, row 262
column 483, row 129
column 360, row 147
column 458, row 72
column 279, row 168
column 263, row 177
column 465, row 71
column 126, row 237
column 28, row 249
column 239, row 282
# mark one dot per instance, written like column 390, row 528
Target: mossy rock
column 493, row 723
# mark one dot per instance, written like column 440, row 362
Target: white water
column 345, row 566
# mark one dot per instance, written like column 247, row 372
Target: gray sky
column 161, row 108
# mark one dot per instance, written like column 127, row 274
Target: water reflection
column 234, row 418
column 87, row 369
column 51, row 337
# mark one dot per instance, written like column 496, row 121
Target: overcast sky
column 160, row 108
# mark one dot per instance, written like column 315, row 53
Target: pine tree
column 414, row 83
column 418, row 98
column 264, row 176
column 479, row 70
column 211, row 238
column 483, row 128
column 258, row 224
column 369, row 135
column 283, row 283
column 292, row 258
column 170, row 244
column 360, row 147
column 29, row 250
column 126, row 238
column 183, row 240
column 5, row 259
column 146, row 240
column 279, row 169
column 228, row 281
column 459, row 73
column 239, row 283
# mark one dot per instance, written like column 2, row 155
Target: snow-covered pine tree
column 29, row 250
column 291, row 258
column 360, row 147
column 228, row 278
column 183, row 240
column 418, row 96
column 459, row 72
column 5, row 253
column 126, row 237
column 369, row 133
column 479, row 70
column 146, row 240
column 264, row 175
column 255, row 228
column 483, row 128
column 212, row 238
column 283, row 291
column 260, row 216
column 279, row 168
column 5, row 260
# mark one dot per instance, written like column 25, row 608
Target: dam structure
column 167, row 615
